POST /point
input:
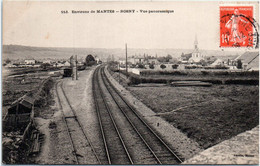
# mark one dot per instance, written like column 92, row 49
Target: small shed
column 22, row 105
column 20, row 113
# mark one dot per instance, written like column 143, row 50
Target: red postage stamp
column 236, row 26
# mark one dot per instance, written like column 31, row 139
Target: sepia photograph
column 130, row 83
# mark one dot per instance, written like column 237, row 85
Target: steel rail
column 142, row 119
column 127, row 117
column 80, row 125
column 66, row 124
column 99, row 118
column 113, row 121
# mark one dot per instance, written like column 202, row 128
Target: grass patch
column 208, row 115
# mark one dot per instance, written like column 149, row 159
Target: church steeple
column 196, row 42
column 196, row 55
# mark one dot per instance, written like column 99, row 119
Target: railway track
column 82, row 148
column 150, row 143
column 114, row 145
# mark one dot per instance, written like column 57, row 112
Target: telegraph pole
column 119, row 73
column 126, row 59
column 72, row 67
column 76, row 61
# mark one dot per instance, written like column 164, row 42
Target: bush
column 239, row 64
column 124, row 72
column 205, row 72
column 113, row 68
column 133, row 81
column 242, row 82
column 43, row 92
column 163, row 73
column 190, row 67
column 175, row 66
column 141, row 66
column 151, row 66
column 221, row 73
column 90, row 60
column 162, row 66
column 133, row 66
column 216, row 67
column 45, row 65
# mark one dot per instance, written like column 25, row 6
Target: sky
column 42, row 24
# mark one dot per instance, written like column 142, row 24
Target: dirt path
column 56, row 145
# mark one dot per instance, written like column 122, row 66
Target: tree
column 175, row 66
column 168, row 57
column 203, row 62
column 162, row 66
column 7, row 61
column 239, row 64
column 161, row 59
column 45, row 65
column 151, row 66
column 90, row 60
column 141, row 66
column 228, row 61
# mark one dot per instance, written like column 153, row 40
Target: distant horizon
column 14, row 51
column 220, row 49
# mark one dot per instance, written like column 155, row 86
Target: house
column 143, row 60
column 185, row 57
column 62, row 64
column 218, row 62
column 47, row 61
column 210, row 59
column 137, row 60
column 67, row 64
column 30, row 61
column 153, row 61
column 122, row 62
column 250, row 60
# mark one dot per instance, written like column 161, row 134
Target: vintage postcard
column 128, row 82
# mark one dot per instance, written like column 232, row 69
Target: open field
column 207, row 115
column 17, row 84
